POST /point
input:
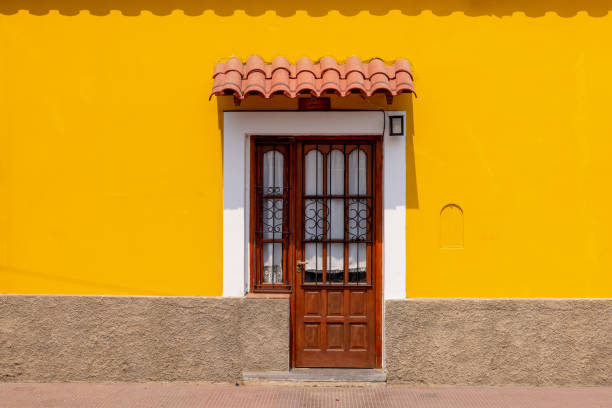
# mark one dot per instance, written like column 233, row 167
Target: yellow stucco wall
column 110, row 152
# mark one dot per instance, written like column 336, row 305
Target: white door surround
column 239, row 125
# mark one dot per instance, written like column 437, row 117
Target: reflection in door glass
column 335, row 262
column 313, row 173
column 272, row 216
column 313, row 216
column 335, row 172
column 313, row 219
column 336, row 213
column 357, row 262
column 273, row 172
column 335, row 187
column 357, row 172
column 273, row 261
column 313, row 254
column 358, row 216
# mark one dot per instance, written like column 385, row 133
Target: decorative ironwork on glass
column 273, row 216
column 358, row 216
column 335, row 186
column 335, row 231
column 359, row 219
column 315, row 221
column 337, row 213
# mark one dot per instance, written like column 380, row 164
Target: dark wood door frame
column 376, row 274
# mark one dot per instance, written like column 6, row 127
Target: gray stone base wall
column 499, row 342
column 115, row 338
column 427, row 341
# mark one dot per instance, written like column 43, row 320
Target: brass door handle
column 300, row 265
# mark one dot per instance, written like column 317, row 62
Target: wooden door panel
column 312, row 336
column 335, row 358
column 312, row 303
column 335, row 303
column 358, row 304
column 338, row 231
column 358, row 336
column 335, row 336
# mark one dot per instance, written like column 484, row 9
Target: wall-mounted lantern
column 396, row 125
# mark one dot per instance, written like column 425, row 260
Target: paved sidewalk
column 187, row 395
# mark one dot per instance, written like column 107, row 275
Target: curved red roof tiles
column 255, row 77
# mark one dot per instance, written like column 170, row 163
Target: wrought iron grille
column 272, row 222
column 338, row 194
column 333, row 205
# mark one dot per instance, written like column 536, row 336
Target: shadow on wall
column 402, row 102
column 284, row 8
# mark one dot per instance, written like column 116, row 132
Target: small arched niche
column 451, row 227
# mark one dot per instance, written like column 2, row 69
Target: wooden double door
column 317, row 235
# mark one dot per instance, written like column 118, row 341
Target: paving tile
column 188, row 395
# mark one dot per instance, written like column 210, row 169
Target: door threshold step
column 345, row 375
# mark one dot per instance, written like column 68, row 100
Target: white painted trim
column 394, row 214
column 238, row 126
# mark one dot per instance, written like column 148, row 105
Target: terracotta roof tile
column 255, row 77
